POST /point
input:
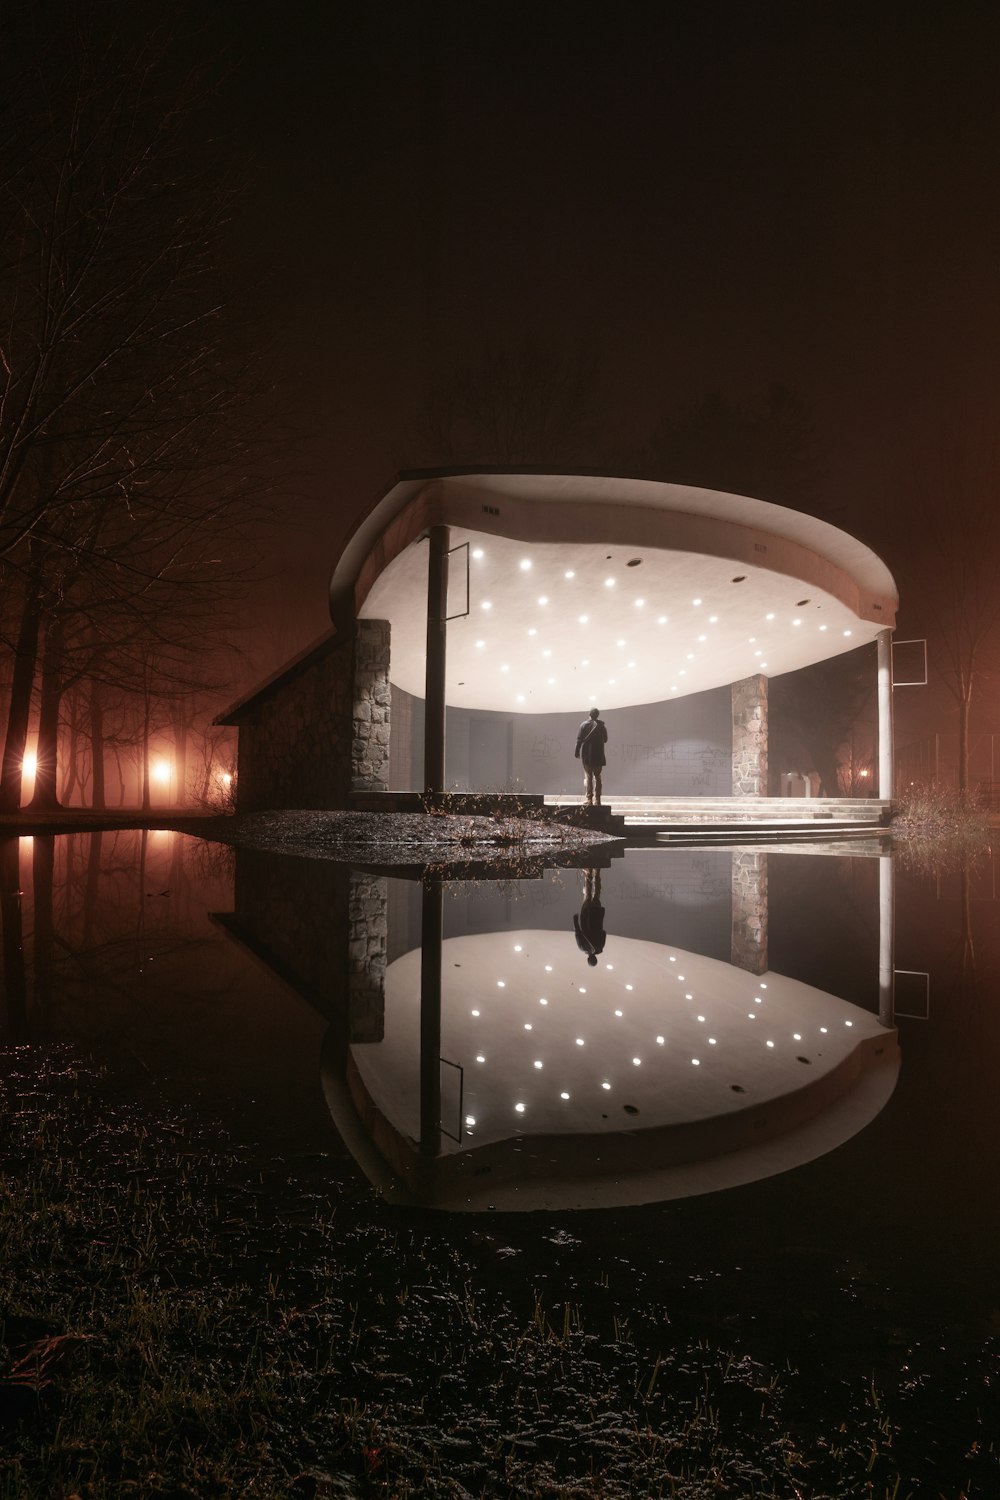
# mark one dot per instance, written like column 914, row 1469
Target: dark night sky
column 712, row 195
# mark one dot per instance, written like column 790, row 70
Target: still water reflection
column 838, row 1214
column 676, row 1023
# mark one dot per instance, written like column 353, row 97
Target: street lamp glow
column 161, row 771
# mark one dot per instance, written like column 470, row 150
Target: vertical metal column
column 886, row 940
column 439, row 539
column 431, row 935
column 885, row 751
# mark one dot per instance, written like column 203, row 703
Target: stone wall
column 368, row 929
column 371, row 708
column 322, row 729
column 749, row 710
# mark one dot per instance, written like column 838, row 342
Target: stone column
column 370, row 708
column 368, row 929
column 749, row 698
column 749, row 939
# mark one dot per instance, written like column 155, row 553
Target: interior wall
column 676, row 749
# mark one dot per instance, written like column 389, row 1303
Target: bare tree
column 128, row 447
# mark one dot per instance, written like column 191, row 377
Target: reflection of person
column 590, row 742
column 589, row 925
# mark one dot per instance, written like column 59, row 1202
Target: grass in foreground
column 188, row 1315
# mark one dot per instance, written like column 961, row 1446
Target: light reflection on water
column 226, row 975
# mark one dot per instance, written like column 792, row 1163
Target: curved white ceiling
column 558, row 627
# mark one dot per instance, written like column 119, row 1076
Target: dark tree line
column 130, row 469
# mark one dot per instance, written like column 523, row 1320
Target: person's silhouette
column 589, row 925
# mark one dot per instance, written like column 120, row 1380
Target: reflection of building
column 492, row 1068
column 479, row 615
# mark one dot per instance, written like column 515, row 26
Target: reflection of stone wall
column 750, row 737
column 322, row 729
column 322, row 928
column 749, row 942
column 368, row 927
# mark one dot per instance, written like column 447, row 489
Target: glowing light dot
column 796, row 622
column 501, row 984
column 768, row 617
column 751, row 1015
column 822, row 627
column 823, row 1030
column 527, row 1025
column 711, row 1041
column 486, row 604
column 659, row 1041
column 701, row 1018
column 581, row 989
column 579, row 1041
column 636, row 1062
column 619, row 1013
column 520, row 698
column 470, row 1119
column 584, row 619
column 525, row 564
column 848, row 1023
column 713, row 619
column 639, row 603
column 543, row 1001
column 517, row 947
column 796, row 1036
column 519, row 1108
column 543, row 598
column 548, row 968
column 696, row 1062
column 480, row 644
column 474, row 1013
column 569, row 574
column 672, row 959
column 605, row 1085
column 847, row 632
column 609, row 583
column 770, row 1044
column 532, row 631
column 537, row 1063
column 480, row 1057
column 696, row 602
column 477, row 553
column 564, row 1096
column 505, row 667
column 662, row 620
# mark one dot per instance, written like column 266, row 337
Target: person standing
column 590, row 743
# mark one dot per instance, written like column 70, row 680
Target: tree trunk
column 42, row 871
column 146, row 799
column 964, row 707
column 46, row 797
column 180, row 760
column 98, row 795
column 19, row 710
column 14, row 1019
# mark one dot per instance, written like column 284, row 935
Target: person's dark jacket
column 590, row 742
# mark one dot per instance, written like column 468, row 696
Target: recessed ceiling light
column 519, row 1108
column 619, row 643
column 662, row 620
column 543, row 598
column 532, row 631
column 609, row 583
column 525, row 564
column 605, row 1084
column 769, row 617
column 477, row 553
column 537, row 1063
column 713, row 619
column 673, row 688
column 639, row 603
column 847, row 632
column 822, row 627
column 659, row 1041
column 569, row 573
column 564, row 1096
column 487, row 604
column 470, row 1119
column 480, row 1057
column 796, row 622
column 505, row 668
column 696, row 602
column 703, row 638
column 547, row 651
column 520, row 698
column 480, row 644
column 584, row 619
column 630, row 664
